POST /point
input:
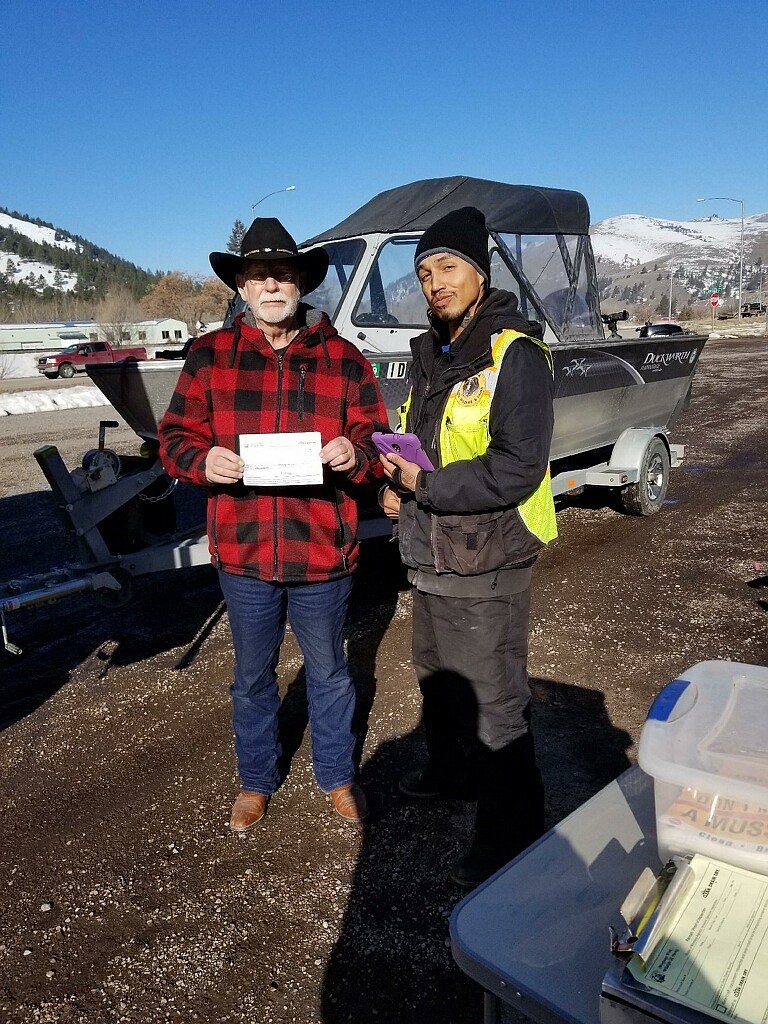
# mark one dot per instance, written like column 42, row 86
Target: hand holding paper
column 339, row 455
column 223, row 466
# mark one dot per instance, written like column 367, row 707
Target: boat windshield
column 344, row 258
column 556, row 277
column 392, row 295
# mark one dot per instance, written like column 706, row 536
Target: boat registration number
column 390, row 370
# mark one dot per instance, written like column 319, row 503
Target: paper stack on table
column 710, row 951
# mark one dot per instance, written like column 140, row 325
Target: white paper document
column 714, row 955
column 281, row 460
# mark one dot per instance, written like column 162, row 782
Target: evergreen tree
column 236, row 237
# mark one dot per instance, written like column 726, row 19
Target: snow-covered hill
column 639, row 258
column 632, row 239
column 38, row 233
column 35, row 273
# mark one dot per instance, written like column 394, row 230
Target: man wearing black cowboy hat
column 285, row 543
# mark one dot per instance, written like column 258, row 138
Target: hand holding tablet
column 407, row 446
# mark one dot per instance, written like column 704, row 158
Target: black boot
column 510, row 811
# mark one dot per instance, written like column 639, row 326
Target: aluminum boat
column 540, row 250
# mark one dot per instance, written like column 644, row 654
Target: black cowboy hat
column 267, row 239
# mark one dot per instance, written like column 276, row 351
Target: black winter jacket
column 474, row 499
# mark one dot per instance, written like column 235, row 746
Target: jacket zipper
column 214, row 532
column 339, row 527
column 302, row 375
column 275, row 532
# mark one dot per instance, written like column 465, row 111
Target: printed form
column 714, row 952
column 282, row 460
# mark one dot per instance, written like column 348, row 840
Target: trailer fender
column 644, row 452
column 631, row 446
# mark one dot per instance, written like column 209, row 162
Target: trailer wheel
column 66, row 370
column 647, row 495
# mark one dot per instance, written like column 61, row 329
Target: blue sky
column 149, row 127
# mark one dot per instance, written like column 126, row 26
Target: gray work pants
column 470, row 657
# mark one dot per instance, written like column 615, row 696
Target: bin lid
column 708, row 730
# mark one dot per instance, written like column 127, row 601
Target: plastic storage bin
column 705, row 742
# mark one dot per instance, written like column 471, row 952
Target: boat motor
column 611, row 319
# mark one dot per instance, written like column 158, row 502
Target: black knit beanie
column 462, row 232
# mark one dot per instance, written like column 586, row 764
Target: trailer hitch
column 49, row 594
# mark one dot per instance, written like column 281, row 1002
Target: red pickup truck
column 74, row 357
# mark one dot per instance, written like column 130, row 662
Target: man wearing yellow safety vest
column 469, row 533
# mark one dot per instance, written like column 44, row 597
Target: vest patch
column 471, row 391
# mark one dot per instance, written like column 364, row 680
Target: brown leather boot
column 349, row 803
column 248, row 810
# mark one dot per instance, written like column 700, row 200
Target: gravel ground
column 126, row 898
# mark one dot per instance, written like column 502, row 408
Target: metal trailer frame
column 624, row 466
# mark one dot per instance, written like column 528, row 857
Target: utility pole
column 728, row 199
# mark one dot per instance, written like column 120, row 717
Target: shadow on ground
column 56, row 639
column 392, row 960
column 377, row 583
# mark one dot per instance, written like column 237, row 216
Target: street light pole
column 671, row 272
column 288, row 188
column 729, row 199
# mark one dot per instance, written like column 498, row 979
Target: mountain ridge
column 690, row 258
column 697, row 256
column 37, row 259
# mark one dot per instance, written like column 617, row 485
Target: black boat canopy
column 514, row 209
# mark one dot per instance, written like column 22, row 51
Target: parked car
column 73, row 358
column 752, row 309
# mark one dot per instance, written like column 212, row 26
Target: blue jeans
column 317, row 612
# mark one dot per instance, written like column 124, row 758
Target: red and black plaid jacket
column 234, row 382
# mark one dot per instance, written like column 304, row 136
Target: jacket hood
column 314, row 329
column 498, row 311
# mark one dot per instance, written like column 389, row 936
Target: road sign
column 714, row 299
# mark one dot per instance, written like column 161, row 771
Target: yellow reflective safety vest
column 464, row 432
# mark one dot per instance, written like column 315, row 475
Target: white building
column 55, row 336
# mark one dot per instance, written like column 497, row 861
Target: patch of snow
column 37, row 233
column 14, row 365
column 29, row 271
column 49, row 401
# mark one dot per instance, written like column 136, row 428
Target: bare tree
column 214, row 296
column 645, row 311
column 115, row 315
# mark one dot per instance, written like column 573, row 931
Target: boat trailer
column 122, row 512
